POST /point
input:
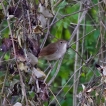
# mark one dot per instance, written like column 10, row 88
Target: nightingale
column 54, row 51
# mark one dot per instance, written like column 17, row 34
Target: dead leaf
column 46, row 12
column 34, row 46
column 32, row 59
column 96, row 94
column 37, row 29
column 90, row 100
column 38, row 73
column 22, row 67
column 43, row 20
column 20, row 40
column 17, row 104
column 37, row 86
column 84, row 104
column 89, row 90
column 83, row 87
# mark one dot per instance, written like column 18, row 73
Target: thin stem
column 66, row 83
column 9, row 30
column 57, row 3
column 57, row 70
column 4, row 81
column 76, row 28
column 76, row 66
column 50, row 71
column 23, row 88
column 44, row 41
column 54, row 97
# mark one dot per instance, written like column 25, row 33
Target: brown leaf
column 22, row 67
column 38, row 73
column 45, row 11
column 42, row 20
column 17, row 104
column 19, row 40
column 33, row 45
column 38, row 29
column 33, row 60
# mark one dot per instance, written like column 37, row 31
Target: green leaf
column 96, row 34
column 32, row 94
column 7, row 56
column 2, row 73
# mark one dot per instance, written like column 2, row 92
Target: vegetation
column 26, row 26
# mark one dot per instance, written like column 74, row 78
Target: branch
column 57, row 3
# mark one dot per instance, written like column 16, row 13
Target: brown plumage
column 49, row 49
column 54, row 51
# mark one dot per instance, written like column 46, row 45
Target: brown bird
column 54, row 51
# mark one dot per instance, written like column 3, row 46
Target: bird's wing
column 49, row 49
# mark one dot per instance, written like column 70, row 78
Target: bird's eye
column 61, row 42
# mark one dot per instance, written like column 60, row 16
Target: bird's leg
column 50, row 65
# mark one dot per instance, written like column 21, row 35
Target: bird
column 54, row 51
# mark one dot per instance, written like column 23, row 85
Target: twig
column 49, row 72
column 54, row 97
column 76, row 28
column 67, row 83
column 89, row 25
column 82, row 37
column 7, row 60
column 72, row 86
column 78, row 54
column 103, row 25
column 10, row 30
column 75, row 64
column 57, row 3
column 23, row 86
column 4, row 81
column 4, row 28
column 43, row 43
column 74, row 13
column 54, row 17
column 29, row 22
column 57, row 70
